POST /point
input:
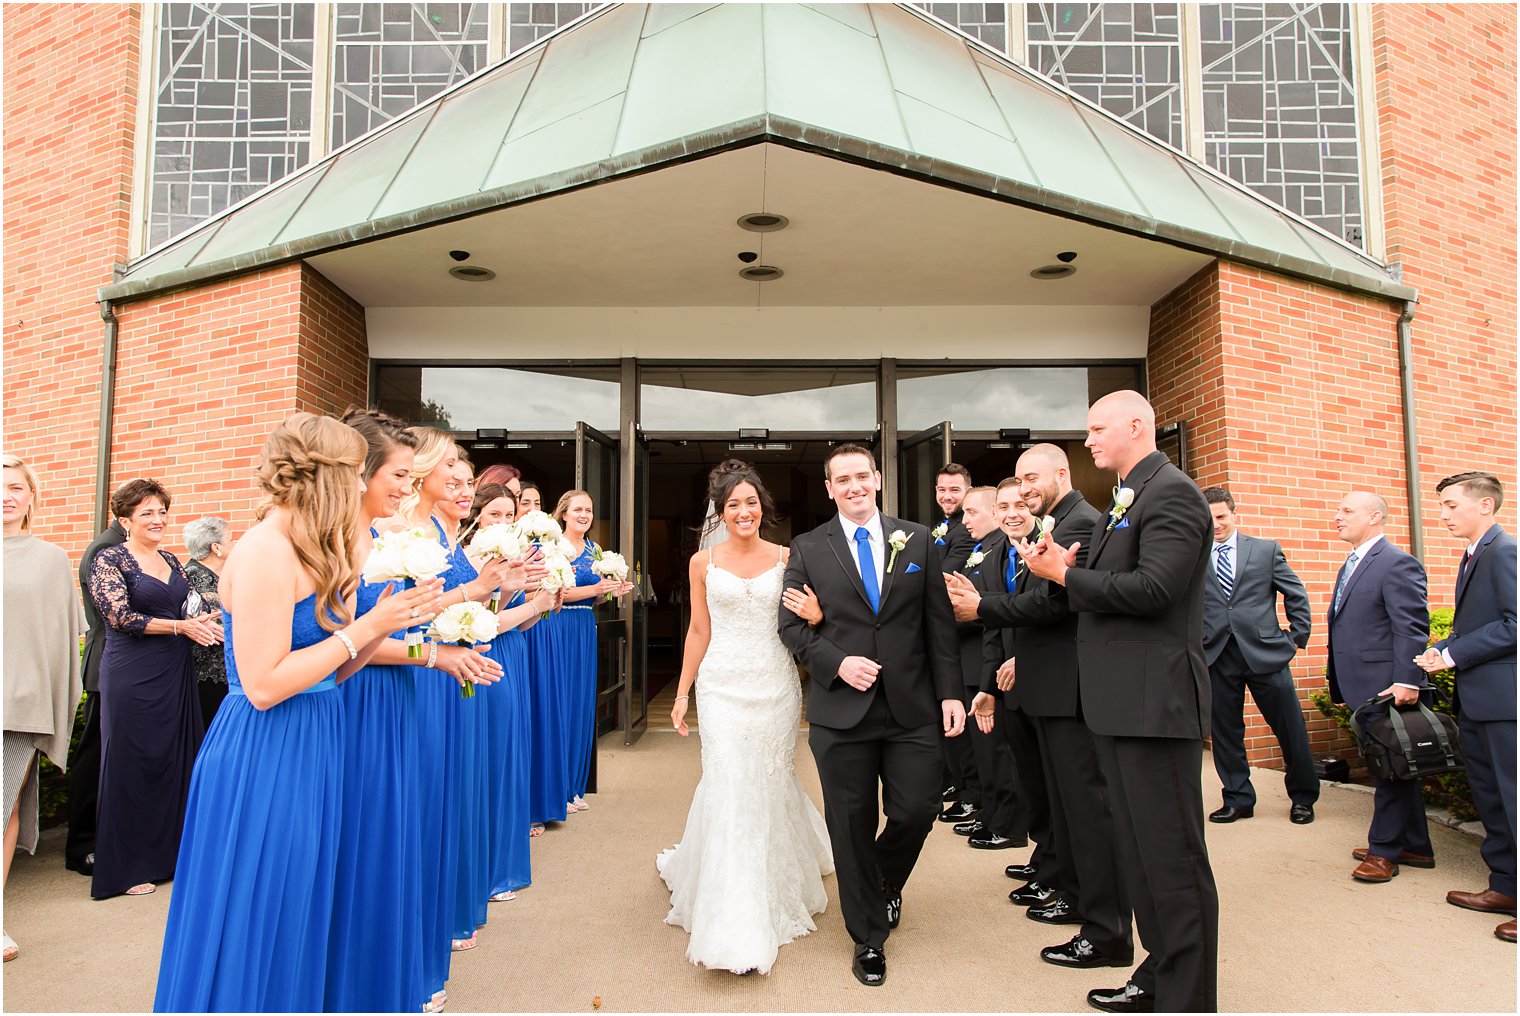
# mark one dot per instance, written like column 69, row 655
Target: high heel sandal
column 502, row 897
column 142, row 889
column 464, row 944
column 12, row 950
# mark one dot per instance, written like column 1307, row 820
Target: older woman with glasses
column 207, row 540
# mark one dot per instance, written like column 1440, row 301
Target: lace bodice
column 115, row 578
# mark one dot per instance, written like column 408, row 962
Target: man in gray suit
column 1246, row 646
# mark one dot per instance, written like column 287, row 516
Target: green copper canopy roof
column 637, row 86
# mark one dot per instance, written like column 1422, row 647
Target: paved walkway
column 1297, row 934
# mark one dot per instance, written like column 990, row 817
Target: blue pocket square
column 1123, row 523
column 913, row 568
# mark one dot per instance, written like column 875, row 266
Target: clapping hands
column 1047, row 558
column 965, row 600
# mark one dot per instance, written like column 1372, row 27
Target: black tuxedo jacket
column 1035, row 625
column 1250, row 612
column 95, row 641
column 1140, row 596
column 957, row 545
column 1383, row 624
column 971, row 633
column 913, row 637
column 1482, row 640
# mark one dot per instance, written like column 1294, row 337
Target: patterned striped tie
column 1226, row 573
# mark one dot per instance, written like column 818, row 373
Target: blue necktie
column 1013, row 568
column 1340, row 587
column 1225, row 572
column 868, row 568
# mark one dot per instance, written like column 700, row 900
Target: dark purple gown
column 150, row 724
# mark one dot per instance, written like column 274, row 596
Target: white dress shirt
column 878, row 544
column 1472, row 551
column 1361, row 555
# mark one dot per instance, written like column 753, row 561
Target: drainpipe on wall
column 107, row 405
column 1411, row 435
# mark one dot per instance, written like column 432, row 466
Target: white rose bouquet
column 609, row 564
column 560, row 574
column 464, row 624
column 405, row 556
column 502, row 541
column 539, row 528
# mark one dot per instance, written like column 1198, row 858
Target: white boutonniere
column 1047, row 527
column 975, row 558
column 1123, row 498
column 897, row 541
column 939, row 531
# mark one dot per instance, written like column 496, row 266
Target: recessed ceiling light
column 760, row 273
column 1048, row 272
column 472, row 273
column 763, row 222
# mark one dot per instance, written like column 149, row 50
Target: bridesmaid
column 529, row 498
column 150, row 722
column 374, row 958
column 250, row 917
column 574, row 647
column 439, row 760
column 510, row 740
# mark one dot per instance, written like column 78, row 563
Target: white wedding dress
column 747, row 876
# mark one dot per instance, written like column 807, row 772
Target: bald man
column 1379, row 622
column 1145, row 697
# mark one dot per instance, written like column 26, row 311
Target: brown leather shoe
column 1375, row 869
column 1405, row 857
column 1488, row 901
column 1505, row 931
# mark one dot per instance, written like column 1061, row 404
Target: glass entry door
column 597, row 473
column 919, row 460
column 633, row 701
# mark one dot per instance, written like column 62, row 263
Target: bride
column 747, row 876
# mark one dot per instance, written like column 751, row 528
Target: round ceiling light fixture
column 1049, row 272
column 763, row 222
column 472, row 273
column 760, row 273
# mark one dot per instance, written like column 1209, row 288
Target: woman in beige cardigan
column 43, row 621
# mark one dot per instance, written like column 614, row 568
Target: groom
column 884, row 666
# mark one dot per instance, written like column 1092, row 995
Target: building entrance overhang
column 644, row 90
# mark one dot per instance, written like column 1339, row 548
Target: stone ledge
column 1440, row 816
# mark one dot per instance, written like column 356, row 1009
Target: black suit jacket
column 913, row 636
column 1482, row 639
column 95, row 641
column 956, row 545
column 971, row 633
column 1383, row 624
column 1035, row 625
column 1140, row 596
column 1250, row 612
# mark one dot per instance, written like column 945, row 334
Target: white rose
column 976, row 558
column 1124, row 497
column 611, row 565
column 383, row 565
column 464, row 623
column 898, row 539
column 424, row 559
column 1047, row 525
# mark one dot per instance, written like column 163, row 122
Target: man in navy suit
column 1481, row 647
column 1379, row 622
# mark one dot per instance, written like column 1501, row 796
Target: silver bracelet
column 682, row 698
column 348, row 643
column 432, row 655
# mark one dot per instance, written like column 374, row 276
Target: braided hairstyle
column 383, row 434
column 310, row 467
column 721, row 482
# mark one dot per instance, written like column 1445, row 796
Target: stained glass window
column 233, row 113
column 388, row 58
column 1126, row 58
column 1279, row 107
column 527, row 23
column 987, row 22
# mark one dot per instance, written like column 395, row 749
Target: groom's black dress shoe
column 960, row 811
column 1230, row 813
column 1126, row 999
column 1023, row 871
column 870, row 966
column 996, row 842
column 1057, row 911
column 976, row 827
column 1079, row 953
column 1301, row 814
column 85, row 867
column 1029, row 895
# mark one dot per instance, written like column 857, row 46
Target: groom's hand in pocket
column 858, row 672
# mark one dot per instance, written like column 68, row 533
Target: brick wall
column 70, row 96
column 204, row 375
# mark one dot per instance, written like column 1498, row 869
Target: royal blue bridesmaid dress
column 546, row 763
column 575, row 647
column 509, row 763
column 252, row 907
column 375, row 952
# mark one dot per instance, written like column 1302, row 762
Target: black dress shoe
column 976, row 827
column 1079, row 953
column 950, row 793
column 894, row 907
column 1126, row 999
column 1301, row 814
column 1230, row 813
column 85, row 867
column 1023, row 871
column 960, row 811
column 870, row 966
column 996, row 842
column 1057, row 911
column 1031, row 894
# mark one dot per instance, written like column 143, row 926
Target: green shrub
column 1449, row 790
column 53, row 785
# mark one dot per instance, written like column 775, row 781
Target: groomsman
column 1481, row 647
column 1005, row 819
column 963, row 785
column 1246, row 646
column 1379, row 623
column 1145, row 696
